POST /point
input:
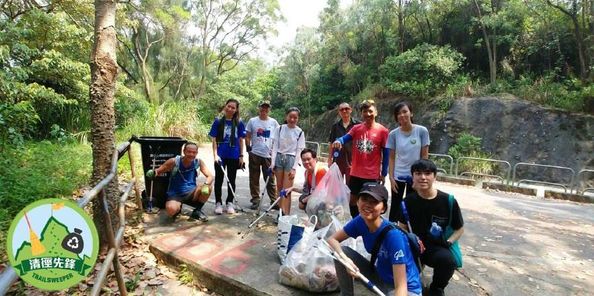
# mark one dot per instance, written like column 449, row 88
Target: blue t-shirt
column 183, row 179
column 394, row 250
column 224, row 150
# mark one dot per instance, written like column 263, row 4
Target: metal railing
column 565, row 186
column 9, row 276
column 324, row 148
column 577, row 187
column 488, row 160
column 313, row 146
column 448, row 158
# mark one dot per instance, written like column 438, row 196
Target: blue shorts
column 284, row 162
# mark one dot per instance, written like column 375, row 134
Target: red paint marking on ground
column 233, row 261
column 201, row 250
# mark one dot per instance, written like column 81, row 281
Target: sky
column 297, row 13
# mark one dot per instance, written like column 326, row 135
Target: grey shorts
column 284, row 162
column 184, row 197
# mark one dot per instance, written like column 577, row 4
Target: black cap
column 375, row 189
column 264, row 103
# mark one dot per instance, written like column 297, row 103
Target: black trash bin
column 161, row 148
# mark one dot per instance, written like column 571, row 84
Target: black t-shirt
column 423, row 212
column 338, row 130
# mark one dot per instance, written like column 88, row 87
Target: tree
column 228, row 32
column 104, row 71
column 578, row 12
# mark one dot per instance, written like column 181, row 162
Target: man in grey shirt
column 257, row 140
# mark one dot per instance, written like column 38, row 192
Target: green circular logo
column 52, row 244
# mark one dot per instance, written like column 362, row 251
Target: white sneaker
column 219, row 208
column 230, row 208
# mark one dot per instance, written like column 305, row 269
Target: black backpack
column 413, row 241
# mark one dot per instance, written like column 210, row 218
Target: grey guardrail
column 491, row 160
column 565, row 186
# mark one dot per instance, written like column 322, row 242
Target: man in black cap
column 395, row 271
column 258, row 142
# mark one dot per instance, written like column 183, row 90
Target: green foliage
column 39, row 170
column 568, row 94
column 468, row 145
column 17, row 122
column 180, row 119
column 185, row 275
column 422, row 71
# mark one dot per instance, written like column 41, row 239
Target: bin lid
column 152, row 139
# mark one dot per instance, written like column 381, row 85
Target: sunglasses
column 345, row 109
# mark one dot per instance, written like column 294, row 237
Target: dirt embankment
column 511, row 129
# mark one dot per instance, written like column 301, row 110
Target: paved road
column 513, row 244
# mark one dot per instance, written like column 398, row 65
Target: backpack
column 413, row 240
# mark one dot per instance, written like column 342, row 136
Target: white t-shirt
column 408, row 147
column 291, row 141
column 260, row 132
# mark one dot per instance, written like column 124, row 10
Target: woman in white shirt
column 287, row 142
column 408, row 143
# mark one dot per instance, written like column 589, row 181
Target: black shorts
column 183, row 198
column 356, row 183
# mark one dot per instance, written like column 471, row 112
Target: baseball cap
column 375, row 189
column 264, row 103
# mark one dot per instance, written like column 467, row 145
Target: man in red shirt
column 370, row 155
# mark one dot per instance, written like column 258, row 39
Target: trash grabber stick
column 267, row 210
column 150, row 202
column 224, row 169
column 370, row 285
column 263, row 191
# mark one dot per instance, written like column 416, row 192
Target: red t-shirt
column 320, row 171
column 368, row 144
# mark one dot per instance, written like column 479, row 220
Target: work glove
column 150, row 174
column 283, row 193
column 268, row 172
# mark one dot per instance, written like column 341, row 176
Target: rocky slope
column 511, row 129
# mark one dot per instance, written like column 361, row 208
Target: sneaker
column 230, row 208
column 219, row 208
column 199, row 215
column 255, row 206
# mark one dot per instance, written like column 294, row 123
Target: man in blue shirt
column 182, row 183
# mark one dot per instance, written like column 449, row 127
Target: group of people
column 365, row 152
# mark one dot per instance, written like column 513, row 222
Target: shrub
column 468, row 145
column 39, row 170
column 422, row 71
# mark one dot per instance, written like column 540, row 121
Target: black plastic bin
column 162, row 148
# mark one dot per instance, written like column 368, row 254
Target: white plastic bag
column 331, row 197
column 290, row 230
column 308, row 268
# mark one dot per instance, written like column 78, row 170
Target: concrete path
column 512, row 245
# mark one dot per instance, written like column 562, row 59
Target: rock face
column 511, row 129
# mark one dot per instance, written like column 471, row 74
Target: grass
column 39, row 170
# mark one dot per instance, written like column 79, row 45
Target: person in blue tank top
column 182, row 183
column 395, row 271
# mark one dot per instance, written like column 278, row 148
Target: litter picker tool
column 263, row 191
column 150, row 201
column 37, row 247
column 236, row 205
column 283, row 194
column 327, row 249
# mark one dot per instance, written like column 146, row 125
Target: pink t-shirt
column 368, row 144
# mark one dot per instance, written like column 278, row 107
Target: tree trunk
column 401, row 25
column 490, row 44
column 104, row 70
